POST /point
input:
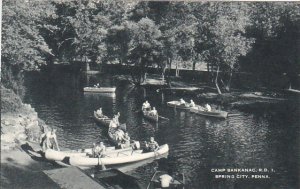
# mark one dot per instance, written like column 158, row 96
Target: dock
column 72, row 178
column 182, row 89
column 293, row 91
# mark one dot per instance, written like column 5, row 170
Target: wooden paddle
column 231, row 115
column 163, row 118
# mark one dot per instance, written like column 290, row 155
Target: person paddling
column 99, row 150
column 208, row 107
column 152, row 145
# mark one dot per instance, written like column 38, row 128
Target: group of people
column 147, row 107
column 48, row 140
column 192, row 104
column 97, row 85
column 119, row 135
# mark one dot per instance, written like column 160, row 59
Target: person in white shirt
column 99, row 150
column 182, row 102
column 192, row 104
column 99, row 112
column 146, row 105
column 208, row 107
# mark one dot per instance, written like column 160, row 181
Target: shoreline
column 19, row 169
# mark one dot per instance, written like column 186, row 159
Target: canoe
column 198, row 110
column 112, row 138
column 61, row 155
column 150, row 117
column 213, row 113
column 118, row 158
column 99, row 89
column 178, row 181
column 176, row 104
column 113, row 178
column 104, row 121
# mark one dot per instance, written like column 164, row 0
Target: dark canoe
column 178, row 181
column 99, row 89
column 104, row 121
column 213, row 113
column 150, row 117
column 114, row 178
column 176, row 104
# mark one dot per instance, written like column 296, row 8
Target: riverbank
column 201, row 92
column 19, row 169
column 20, row 131
column 19, row 121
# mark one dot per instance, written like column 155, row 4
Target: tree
column 224, row 28
column 144, row 47
column 24, row 47
column 276, row 51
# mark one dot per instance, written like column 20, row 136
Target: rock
column 7, row 138
column 21, row 137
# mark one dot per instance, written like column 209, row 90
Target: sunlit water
column 256, row 138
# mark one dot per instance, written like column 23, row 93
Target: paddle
column 163, row 118
column 102, row 165
column 231, row 115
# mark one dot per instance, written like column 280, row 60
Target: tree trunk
column 216, row 81
column 194, row 65
column 229, row 82
column 176, row 70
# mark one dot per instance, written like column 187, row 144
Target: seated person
column 152, row 145
column 119, row 134
column 208, row 107
column 125, row 141
column 99, row 112
column 99, row 149
column 113, row 125
column 181, row 102
column 153, row 112
column 165, row 180
column 192, row 104
column 116, row 118
column 146, row 105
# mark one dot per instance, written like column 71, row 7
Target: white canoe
column 60, row 155
column 177, row 104
column 118, row 158
column 213, row 113
column 100, row 89
column 148, row 115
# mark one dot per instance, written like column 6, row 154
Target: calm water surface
column 263, row 137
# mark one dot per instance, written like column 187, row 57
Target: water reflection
column 197, row 143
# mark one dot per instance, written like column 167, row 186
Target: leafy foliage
column 227, row 36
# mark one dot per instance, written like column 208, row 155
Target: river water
column 262, row 137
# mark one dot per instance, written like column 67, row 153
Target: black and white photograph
column 132, row 94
